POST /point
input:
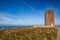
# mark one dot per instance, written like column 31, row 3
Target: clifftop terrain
column 29, row 33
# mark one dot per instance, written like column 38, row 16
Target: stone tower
column 49, row 18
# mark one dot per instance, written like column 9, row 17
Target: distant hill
column 13, row 26
column 57, row 25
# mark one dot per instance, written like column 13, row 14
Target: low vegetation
column 29, row 33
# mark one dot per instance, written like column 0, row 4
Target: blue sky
column 27, row 12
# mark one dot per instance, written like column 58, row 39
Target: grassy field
column 29, row 33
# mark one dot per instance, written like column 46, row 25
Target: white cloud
column 36, row 17
column 57, row 21
column 5, row 18
column 29, row 5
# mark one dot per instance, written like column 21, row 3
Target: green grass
column 38, row 33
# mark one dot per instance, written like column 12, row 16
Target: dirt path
column 58, row 36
